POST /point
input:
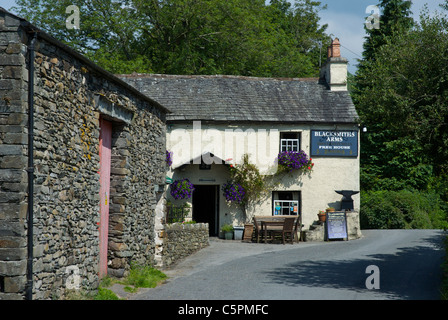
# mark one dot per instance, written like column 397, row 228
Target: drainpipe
column 30, row 169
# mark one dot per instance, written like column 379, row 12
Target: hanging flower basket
column 181, row 189
column 169, row 158
column 294, row 160
column 233, row 192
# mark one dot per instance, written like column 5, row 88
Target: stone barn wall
column 71, row 94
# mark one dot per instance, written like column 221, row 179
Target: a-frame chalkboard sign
column 336, row 225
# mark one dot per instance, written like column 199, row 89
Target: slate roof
column 248, row 99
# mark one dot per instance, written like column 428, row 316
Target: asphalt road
column 406, row 263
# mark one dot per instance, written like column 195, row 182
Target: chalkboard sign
column 337, row 225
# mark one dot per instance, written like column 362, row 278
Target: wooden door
column 105, row 162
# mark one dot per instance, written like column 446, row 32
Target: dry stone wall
column 181, row 240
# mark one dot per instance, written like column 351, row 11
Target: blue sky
column 345, row 19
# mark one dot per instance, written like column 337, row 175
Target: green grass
column 139, row 277
column 144, row 277
column 105, row 294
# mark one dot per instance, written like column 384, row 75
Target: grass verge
column 139, row 277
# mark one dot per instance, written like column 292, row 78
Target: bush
column 402, row 210
column 176, row 213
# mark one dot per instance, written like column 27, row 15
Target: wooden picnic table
column 264, row 224
column 270, row 226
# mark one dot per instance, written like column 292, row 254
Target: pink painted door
column 105, row 158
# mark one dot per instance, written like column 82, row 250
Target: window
column 285, row 203
column 289, row 141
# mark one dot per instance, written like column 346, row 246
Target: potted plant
column 227, row 229
column 322, row 216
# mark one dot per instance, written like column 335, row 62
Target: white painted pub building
column 218, row 119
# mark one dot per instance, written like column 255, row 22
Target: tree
column 403, row 103
column 107, row 33
column 376, row 150
column 444, row 5
column 395, row 19
column 238, row 37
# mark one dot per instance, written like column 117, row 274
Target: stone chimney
column 335, row 69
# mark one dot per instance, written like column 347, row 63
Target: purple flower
column 169, row 158
column 181, row 189
column 233, row 192
column 292, row 160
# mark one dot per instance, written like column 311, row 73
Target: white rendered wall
column 261, row 142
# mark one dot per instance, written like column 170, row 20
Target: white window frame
column 287, row 144
column 285, row 207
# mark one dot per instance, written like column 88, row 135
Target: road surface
column 404, row 265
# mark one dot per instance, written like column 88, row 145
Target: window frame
column 286, row 204
column 285, row 141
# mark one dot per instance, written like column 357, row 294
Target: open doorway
column 205, row 207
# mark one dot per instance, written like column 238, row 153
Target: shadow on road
column 410, row 273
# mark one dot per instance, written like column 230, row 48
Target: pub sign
column 334, row 143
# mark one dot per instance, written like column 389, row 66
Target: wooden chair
column 298, row 228
column 257, row 229
column 288, row 229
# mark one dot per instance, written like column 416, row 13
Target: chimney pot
column 334, row 50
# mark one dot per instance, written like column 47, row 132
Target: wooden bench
column 276, row 222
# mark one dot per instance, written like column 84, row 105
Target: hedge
column 403, row 209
